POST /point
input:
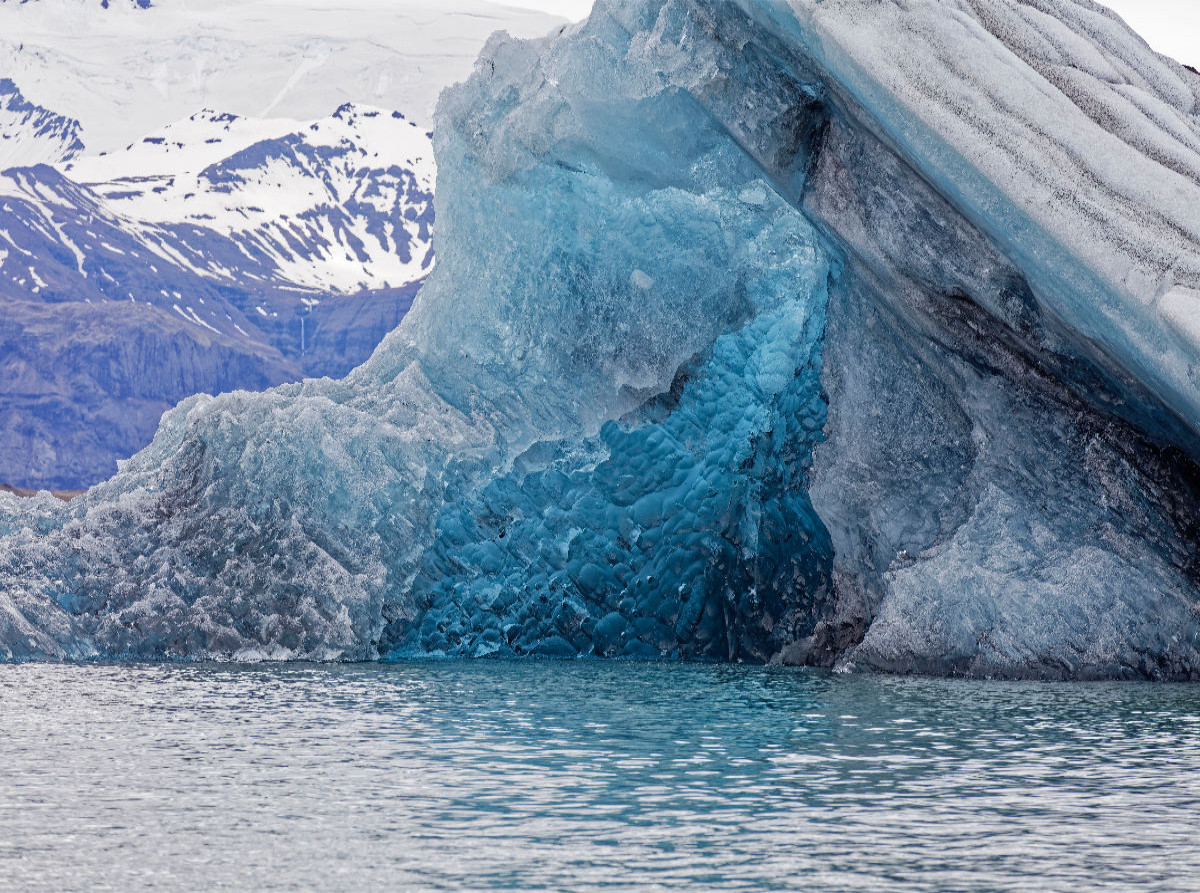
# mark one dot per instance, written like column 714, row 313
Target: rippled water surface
column 580, row 776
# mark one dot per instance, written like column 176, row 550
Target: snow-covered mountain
column 232, row 221
column 30, row 134
column 341, row 204
column 124, row 71
column 292, row 247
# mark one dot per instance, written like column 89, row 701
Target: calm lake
column 589, row 776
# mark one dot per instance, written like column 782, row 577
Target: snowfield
column 124, row 72
column 30, row 134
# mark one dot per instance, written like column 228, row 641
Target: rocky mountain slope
column 194, row 207
column 215, row 254
column 30, row 134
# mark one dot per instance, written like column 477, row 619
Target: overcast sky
column 568, row 9
column 1170, row 26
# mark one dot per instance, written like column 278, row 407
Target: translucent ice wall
column 844, row 332
column 591, row 435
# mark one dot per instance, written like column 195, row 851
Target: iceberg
column 843, row 333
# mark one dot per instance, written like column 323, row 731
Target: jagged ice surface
column 748, row 337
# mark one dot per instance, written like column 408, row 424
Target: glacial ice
column 839, row 332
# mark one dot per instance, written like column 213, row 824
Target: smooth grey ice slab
column 1052, row 127
column 815, row 331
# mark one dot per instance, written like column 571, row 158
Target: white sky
column 1170, row 26
column 568, row 9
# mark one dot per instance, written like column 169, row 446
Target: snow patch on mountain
column 340, row 204
column 216, row 254
column 125, row 71
column 30, row 134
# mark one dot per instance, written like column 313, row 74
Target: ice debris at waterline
column 839, row 331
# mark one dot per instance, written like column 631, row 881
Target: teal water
column 589, row 776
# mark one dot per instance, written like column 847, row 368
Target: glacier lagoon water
column 587, row 775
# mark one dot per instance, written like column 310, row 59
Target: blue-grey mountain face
column 831, row 331
column 204, row 259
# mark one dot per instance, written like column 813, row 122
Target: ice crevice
column 840, row 333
